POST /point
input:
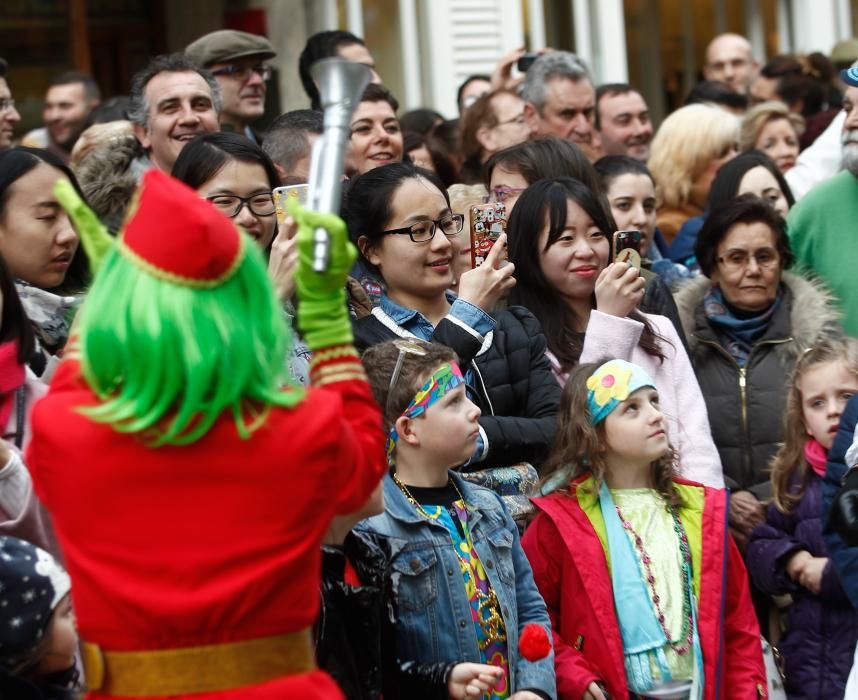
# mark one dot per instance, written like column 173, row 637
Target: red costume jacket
column 209, row 543
column 571, row 571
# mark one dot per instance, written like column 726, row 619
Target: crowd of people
column 560, row 474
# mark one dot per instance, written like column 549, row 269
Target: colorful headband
column 612, row 384
column 446, row 378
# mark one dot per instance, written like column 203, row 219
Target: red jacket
column 213, row 542
column 571, row 571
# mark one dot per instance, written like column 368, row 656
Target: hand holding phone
column 526, row 61
column 627, row 247
column 281, row 195
column 488, row 222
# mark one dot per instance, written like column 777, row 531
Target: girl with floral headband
column 646, row 591
column 459, row 587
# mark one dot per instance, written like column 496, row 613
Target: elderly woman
column 689, row 148
column 771, row 128
column 746, row 325
column 494, row 122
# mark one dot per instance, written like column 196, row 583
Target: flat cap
column 227, row 45
column 845, row 51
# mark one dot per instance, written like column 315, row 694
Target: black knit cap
column 32, row 584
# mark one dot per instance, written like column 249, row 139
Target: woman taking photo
column 747, row 321
column 400, row 218
column 237, row 177
column 40, row 246
column 560, row 245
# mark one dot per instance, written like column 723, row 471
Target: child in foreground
column 787, row 553
column 38, row 639
column 646, row 591
column 459, row 585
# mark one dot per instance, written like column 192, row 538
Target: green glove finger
column 97, row 242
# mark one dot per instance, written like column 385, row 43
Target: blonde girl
column 787, row 553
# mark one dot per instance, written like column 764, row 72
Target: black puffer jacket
column 517, row 393
column 746, row 406
column 658, row 300
column 355, row 637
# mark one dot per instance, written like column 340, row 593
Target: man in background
column 237, row 61
column 289, row 143
column 9, row 116
column 622, row 120
column 729, row 60
column 70, row 99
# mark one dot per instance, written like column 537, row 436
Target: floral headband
column 612, row 384
column 446, row 378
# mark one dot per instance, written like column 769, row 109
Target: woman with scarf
column 40, row 247
column 747, row 321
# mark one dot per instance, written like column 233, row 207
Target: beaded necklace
column 686, row 637
column 488, row 608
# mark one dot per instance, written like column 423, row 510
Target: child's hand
column 811, row 575
column 746, row 512
column 594, row 692
column 619, row 289
column 796, row 563
column 470, row 681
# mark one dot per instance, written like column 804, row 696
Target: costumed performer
column 190, row 485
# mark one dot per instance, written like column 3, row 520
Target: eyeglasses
column 424, row 231
column 501, row 194
column 735, row 260
column 406, row 346
column 243, row 72
column 518, row 119
column 230, row 204
column 7, row 104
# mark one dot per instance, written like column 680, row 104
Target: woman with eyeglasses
column 747, row 321
column 560, row 242
column 238, row 177
column 400, row 218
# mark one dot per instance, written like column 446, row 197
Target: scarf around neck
column 738, row 335
column 816, row 456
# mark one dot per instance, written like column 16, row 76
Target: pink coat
column 681, row 399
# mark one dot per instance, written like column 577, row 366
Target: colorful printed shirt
column 445, row 506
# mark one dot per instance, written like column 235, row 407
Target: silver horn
column 341, row 85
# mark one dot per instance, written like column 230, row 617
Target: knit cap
column 32, row 584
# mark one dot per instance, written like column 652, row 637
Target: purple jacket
column 822, row 630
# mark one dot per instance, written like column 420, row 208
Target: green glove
column 96, row 241
column 323, row 315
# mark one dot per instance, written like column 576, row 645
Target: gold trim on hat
column 180, row 280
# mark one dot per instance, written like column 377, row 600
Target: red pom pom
column 534, row 643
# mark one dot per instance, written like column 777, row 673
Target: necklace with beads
column 488, row 608
column 686, row 636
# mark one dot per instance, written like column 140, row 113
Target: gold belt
column 202, row 669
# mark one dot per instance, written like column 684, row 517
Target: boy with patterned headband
column 460, row 585
column 190, row 484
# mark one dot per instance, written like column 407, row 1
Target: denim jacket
column 433, row 614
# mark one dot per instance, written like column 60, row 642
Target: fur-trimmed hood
column 813, row 314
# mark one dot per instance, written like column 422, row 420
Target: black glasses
column 261, row 204
column 243, row 72
column 424, row 231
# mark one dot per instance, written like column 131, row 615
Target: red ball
column 534, row 643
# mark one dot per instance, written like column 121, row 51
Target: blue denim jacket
column 434, row 623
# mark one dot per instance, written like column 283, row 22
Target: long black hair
column 17, row 162
column 368, row 202
column 725, row 186
column 547, row 200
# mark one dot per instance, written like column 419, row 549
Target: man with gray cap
column 822, row 225
column 237, row 61
column 560, row 99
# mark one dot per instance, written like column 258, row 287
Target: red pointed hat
column 174, row 235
